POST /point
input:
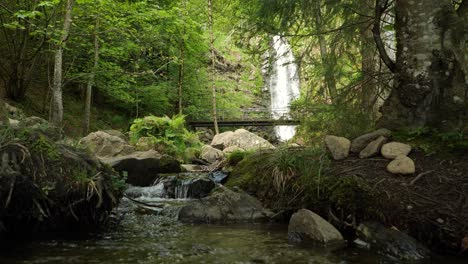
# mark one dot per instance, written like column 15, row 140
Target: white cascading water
column 284, row 85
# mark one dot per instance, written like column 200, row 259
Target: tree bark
column 430, row 68
column 213, row 69
column 92, row 77
column 56, row 111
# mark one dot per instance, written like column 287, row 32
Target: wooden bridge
column 250, row 117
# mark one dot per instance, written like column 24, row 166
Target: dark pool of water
column 147, row 238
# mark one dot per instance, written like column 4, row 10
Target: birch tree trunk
column 56, row 111
column 432, row 57
column 92, row 76
column 213, row 84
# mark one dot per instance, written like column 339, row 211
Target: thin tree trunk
column 181, row 75
column 56, row 116
column 325, row 57
column 213, row 70
column 4, row 120
column 92, row 76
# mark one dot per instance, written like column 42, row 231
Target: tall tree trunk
column 327, row 63
column 431, row 76
column 56, row 114
column 369, row 60
column 92, row 76
column 181, row 74
column 213, row 69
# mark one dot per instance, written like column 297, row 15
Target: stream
column 145, row 235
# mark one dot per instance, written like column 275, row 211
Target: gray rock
column 373, row 148
column 219, row 176
column 241, row 138
column 338, row 147
column 142, row 167
column 361, row 142
column 42, row 126
column 193, row 168
column 145, row 144
column 211, row 154
column 105, row 145
column 306, row 226
column 232, row 149
column 392, row 243
column 194, row 187
column 394, row 149
column 116, row 133
column 225, row 206
column 401, row 165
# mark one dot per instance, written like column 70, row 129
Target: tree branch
column 379, row 9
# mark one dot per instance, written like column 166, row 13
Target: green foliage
column 432, row 140
column 168, row 135
column 280, row 176
column 350, row 194
column 237, row 156
column 320, row 120
column 43, row 146
column 293, row 178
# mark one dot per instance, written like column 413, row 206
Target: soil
column 431, row 205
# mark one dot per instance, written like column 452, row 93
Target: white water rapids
column 284, row 85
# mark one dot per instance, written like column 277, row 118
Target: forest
column 243, row 131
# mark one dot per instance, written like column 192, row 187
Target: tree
column 92, row 77
column 431, row 65
column 56, row 111
column 25, row 28
column 213, row 70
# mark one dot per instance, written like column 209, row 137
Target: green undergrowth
column 166, row 135
column 294, row 178
column 433, row 140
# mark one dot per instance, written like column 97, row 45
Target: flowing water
column 284, row 85
column 145, row 236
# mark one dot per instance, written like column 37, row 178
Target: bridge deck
column 236, row 123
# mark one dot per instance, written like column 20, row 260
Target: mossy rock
column 49, row 187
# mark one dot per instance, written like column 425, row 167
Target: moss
column 43, row 146
column 237, row 156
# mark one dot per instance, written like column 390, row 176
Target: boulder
column 241, row 138
column 105, row 145
column 116, row 133
column 41, row 126
column 232, row 149
column 192, row 168
column 394, row 149
column 392, row 243
column 14, row 123
column 194, row 187
column 401, row 165
column 219, row 176
column 338, row 147
column 306, row 226
column 361, row 142
column 220, row 139
column 373, row 148
column 145, row 144
column 211, row 154
column 13, row 112
column 225, row 206
column 142, row 167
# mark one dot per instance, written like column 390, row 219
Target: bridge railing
column 249, row 114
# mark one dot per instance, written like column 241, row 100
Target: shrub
column 169, row 135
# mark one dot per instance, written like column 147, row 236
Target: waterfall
column 283, row 85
